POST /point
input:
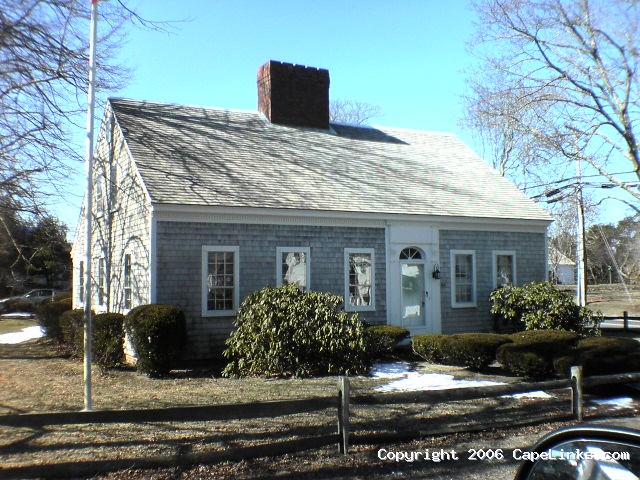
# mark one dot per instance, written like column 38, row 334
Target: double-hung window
column 463, row 278
column 359, row 281
column 81, row 284
column 504, row 268
column 126, row 283
column 220, row 282
column 293, row 266
column 101, row 282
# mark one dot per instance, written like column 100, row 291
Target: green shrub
column 545, row 336
column 71, row 324
column 472, row 350
column 531, row 360
column 609, row 344
column 383, row 339
column 432, row 347
column 158, row 335
column 602, row 355
column 48, row 314
column 286, row 332
column 540, row 306
column 108, row 339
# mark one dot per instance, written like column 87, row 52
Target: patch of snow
column 618, row 403
column 390, row 370
column 17, row 315
column 536, row 394
column 415, row 381
column 407, row 380
column 24, row 335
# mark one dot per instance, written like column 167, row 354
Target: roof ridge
column 184, row 105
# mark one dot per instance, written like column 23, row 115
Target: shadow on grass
column 41, row 348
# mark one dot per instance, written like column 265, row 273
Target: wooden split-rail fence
column 343, row 404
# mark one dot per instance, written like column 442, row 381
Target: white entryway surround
column 425, row 238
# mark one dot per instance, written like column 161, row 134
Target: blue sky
column 408, row 57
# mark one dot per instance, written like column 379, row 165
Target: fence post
column 343, row 414
column 625, row 315
column 576, row 392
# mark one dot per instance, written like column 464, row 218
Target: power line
column 569, row 179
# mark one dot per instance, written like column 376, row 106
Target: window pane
column 464, row 278
column 127, row 281
column 220, row 281
column 360, row 279
column 294, row 269
column 504, row 270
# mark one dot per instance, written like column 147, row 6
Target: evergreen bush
column 432, row 347
column 545, row 336
column 601, row 355
column 72, row 331
column 540, row 306
column 158, row 336
column 108, row 339
column 283, row 331
column 531, row 360
column 472, row 350
column 383, row 339
column 49, row 314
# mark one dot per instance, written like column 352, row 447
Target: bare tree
column 567, row 71
column 43, row 81
column 352, row 112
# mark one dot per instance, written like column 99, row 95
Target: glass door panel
column 412, row 294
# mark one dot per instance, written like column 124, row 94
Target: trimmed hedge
column 540, row 306
column 107, row 334
column 531, row 360
column 545, row 336
column 158, row 335
column 108, row 339
column 283, row 332
column 601, row 355
column 49, row 314
column 72, row 331
column 472, row 350
column 431, row 347
column 382, row 339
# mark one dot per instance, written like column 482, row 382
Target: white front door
column 413, row 296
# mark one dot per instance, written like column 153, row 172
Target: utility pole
column 91, row 103
column 582, row 248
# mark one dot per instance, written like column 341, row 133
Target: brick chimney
column 294, row 95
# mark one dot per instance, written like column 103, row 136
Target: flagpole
column 91, row 103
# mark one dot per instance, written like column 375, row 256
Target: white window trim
column 347, row 305
column 99, row 198
column 280, row 251
column 236, row 280
column 81, row 285
column 495, row 255
column 133, row 262
column 101, row 308
column 474, row 302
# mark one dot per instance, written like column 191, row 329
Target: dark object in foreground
column 585, row 453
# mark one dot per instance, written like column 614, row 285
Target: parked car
column 33, row 297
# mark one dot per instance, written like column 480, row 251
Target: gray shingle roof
column 208, row 156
